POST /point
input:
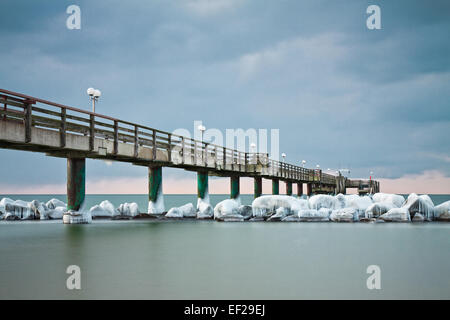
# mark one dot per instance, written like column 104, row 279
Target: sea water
column 147, row 259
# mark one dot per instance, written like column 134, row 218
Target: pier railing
column 179, row 150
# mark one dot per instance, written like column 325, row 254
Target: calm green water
column 149, row 259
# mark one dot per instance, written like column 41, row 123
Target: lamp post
column 202, row 129
column 303, row 163
column 94, row 94
column 283, row 155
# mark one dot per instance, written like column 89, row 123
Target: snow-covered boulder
column 377, row 209
column 56, row 213
column 360, row 203
column 104, row 210
column 3, row 203
column 340, row 201
column 185, row 211
column 396, row 215
column 129, row 209
column 322, row 201
column 54, row 203
column 20, row 209
column 228, row 210
column 265, row 206
column 38, row 208
column 420, row 204
column 204, row 209
column 442, row 211
column 418, row 218
column 343, row 215
column 394, row 199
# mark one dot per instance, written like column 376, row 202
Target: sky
column 342, row 96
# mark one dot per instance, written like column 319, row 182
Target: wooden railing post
column 116, row 138
column 224, row 155
column 206, row 154
column 183, row 147
column 154, row 145
column 91, row 132
column 28, row 122
column 136, row 141
column 169, row 150
column 62, row 129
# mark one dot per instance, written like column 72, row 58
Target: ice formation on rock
column 129, row 209
column 104, row 210
column 396, row 215
column 442, row 211
column 420, row 204
column 322, row 201
column 204, row 208
column 343, row 215
column 158, row 206
column 228, row 210
column 359, row 203
column 312, row 215
column 54, row 203
column 265, row 206
column 377, row 209
column 280, row 213
column 394, row 199
column 185, row 211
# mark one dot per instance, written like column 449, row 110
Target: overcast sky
column 341, row 95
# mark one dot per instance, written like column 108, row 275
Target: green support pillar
column 275, row 186
column 289, row 188
column 299, row 189
column 76, row 183
column 309, row 189
column 234, row 183
column 202, row 185
column 155, row 194
column 257, row 187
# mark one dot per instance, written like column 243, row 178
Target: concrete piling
column 234, row 184
column 155, row 194
column 76, row 183
column 275, row 186
column 289, row 188
column 257, row 187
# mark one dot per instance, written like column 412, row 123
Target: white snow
column 394, row 199
column 442, row 211
column 280, row 213
column 158, row 206
column 54, row 203
column 185, row 211
column 360, row 203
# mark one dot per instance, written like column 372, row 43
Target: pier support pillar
column 202, row 187
column 299, row 189
column 340, row 184
column 289, row 188
column 309, row 189
column 257, row 187
column 275, row 186
column 76, row 183
column 155, row 193
column 234, row 184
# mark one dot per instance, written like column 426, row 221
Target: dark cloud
column 340, row 94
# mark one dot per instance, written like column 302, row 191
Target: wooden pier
column 32, row 124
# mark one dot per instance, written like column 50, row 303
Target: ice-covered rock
column 322, row 201
column 54, row 203
column 311, row 215
column 228, row 210
column 394, row 199
column 104, row 210
column 442, row 211
column 360, row 203
column 3, row 204
column 38, row 208
column 265, row 206
column 396, row 215
column 204, row 209
column 129, row 209
column 418, row 218
column 343, row 215
column 54, row 214
column 340, row 201
column 185, row 211
column 246, row 211
column 377, row 209
column 21, row 210
column 420, row 204
column 280, row 213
